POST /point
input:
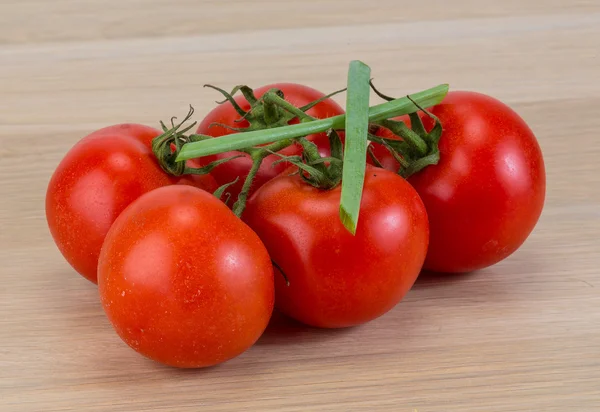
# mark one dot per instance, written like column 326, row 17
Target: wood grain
column 521, row 336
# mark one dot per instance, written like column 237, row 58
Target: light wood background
column 521, row 336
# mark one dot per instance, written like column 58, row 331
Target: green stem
column 409, row 136
column 240, row 203
column 398, row 107
column 355, row 150
column 309, row 149
column 257, row 154
column 278, row 101
column 310, row 152
column 271, row 112
column 276, row 146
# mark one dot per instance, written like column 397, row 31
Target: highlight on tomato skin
column 486, row 194
column 337, row 279
column 184, row 281
column 96, row 179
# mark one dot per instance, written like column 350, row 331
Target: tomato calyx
column 414, row 148
column 324, row 173
column 269, row 111
column 167, row 146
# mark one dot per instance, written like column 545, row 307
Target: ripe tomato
column 296, row 94
column 487, row 192
column 140, row 132
column 183, row 280
column 336, row 279
column 95, row 181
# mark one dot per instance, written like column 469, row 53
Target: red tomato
column 296, row 94
column 336, row 279
column 102, row 174
column 143, row 133
column 487, row 192
column 183, row 280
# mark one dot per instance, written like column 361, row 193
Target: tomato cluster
column 186, row 282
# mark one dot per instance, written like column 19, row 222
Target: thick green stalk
column 398, row 107
column 355, row 149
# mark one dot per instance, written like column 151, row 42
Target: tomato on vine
column 337, row 279
column 486, row 193
column 102, row 174
column 183, row 280
column 247, row 112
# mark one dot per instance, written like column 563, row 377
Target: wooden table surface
column 521, row 336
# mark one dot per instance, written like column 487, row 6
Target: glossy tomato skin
column 183, row 280
column 487, row 192
column 140, row 132
column 336, row 279
column 296, row 94
column 102, row 174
